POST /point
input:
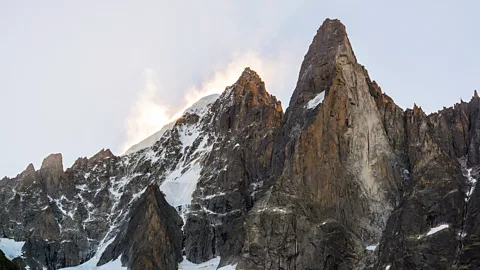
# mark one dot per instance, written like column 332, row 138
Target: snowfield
column 209, row 265
column 11, row 248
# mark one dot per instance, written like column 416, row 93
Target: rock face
column 152, row 236
column 6, row 264
column 245, row 120
column 345, row 179
column 335, row 173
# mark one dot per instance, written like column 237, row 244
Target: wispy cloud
column 148, row 116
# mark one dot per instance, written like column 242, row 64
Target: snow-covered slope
column 149, row 141
column 11, row 248
column 200, row 108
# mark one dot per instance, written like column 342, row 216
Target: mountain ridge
column 344, row 179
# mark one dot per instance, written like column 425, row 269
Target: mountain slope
column 198, row 107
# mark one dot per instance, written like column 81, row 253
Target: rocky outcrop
column 6, row 264
column 443, row 155
column 334, row 155
column 152, row 236
column 245, row 120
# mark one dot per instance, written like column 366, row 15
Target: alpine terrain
column 343, row 179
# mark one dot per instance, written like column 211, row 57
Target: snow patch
column 200, row 107
column 11, row 248
column 208, row 265
column 151, row 156
column 472, row 182
column 92, row 263
column 435, row 230
column 151, row 140
column 372, row 247
column 209, row 197
column 313, row 103
column 179, row 187
column 112, row 265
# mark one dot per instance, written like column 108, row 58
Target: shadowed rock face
column 343, row 169
column 152, row 237
column 6, row 264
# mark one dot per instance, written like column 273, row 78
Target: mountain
column 198, row 107
column 344, row 179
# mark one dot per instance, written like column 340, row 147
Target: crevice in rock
column 471, row 184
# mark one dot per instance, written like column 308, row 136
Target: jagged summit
column 250, row 75
column 246, row 102
column 249, row 81
column 104, row 153
column 53, row 161
column 28, row 171
column 329, row 46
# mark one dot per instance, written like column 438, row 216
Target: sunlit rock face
column 344, row 179
column 336, row 177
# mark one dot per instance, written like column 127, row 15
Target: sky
column 79, row 76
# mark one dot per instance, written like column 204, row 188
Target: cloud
column 148, row 116
column 273, row 72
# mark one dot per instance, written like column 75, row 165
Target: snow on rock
column 435, row 230
column 113, row 265
column 372, row 247
column 11, row 248
column 200, row 108
column 208, row 265
column 312, row 104
column 149, row 141
column 92, row 263
column 472, row 182
column 228, row 267
column 179, row 187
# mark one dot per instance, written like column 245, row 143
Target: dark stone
column 152, row 237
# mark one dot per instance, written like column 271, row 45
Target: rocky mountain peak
column 418, row 111
column 29, row 170
column 249, row 74
column 53, row 162
column 329, row 47
column 249, row 83
column 104, row 153
column 247, row 102
column 152, row 237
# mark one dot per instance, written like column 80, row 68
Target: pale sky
column 79, row 76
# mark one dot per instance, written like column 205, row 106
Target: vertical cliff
column 336, row 173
